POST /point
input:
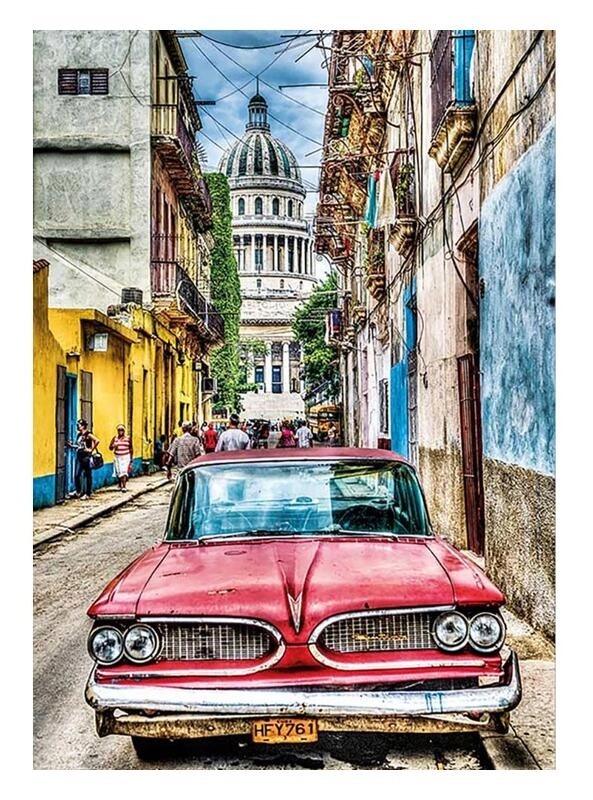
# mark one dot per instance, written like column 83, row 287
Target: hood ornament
column 295, row 605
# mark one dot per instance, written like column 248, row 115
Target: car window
column 294, row 498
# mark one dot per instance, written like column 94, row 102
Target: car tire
column 148, row 748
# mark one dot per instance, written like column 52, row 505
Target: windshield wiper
column 340, row 530
column 239, row 534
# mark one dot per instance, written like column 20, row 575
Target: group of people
column 191, row 443
column 291, row 435
column 86, row 444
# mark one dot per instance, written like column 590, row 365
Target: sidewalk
column 51, row 522
column 531, row 741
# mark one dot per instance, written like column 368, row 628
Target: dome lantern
column 258, row 114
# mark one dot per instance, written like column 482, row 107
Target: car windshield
column 305, row 498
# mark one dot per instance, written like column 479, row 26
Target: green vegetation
column 225, row 295
column 319, row 359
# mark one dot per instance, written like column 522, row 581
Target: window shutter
column 99, row 81
column 67, row 81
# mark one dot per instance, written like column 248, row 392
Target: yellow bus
column 319, row 418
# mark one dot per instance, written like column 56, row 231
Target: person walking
column 184, row 448
column 121, row 444
column 209, row 438
column 84, row 445
column 332, row 435
column 286, row 435
column 304, row 435
column 233, row 438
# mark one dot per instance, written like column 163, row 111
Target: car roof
column 299, row 454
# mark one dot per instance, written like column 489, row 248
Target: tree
column 309, row 329
column 225, row 294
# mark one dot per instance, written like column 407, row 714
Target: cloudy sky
column 226, row 64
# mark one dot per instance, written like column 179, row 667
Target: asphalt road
column 68, row 574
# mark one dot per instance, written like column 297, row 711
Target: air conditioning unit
column 209, row 385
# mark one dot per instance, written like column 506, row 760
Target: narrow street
column 64, row 730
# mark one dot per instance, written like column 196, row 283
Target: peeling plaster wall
column 517, row 334
column 520, row 540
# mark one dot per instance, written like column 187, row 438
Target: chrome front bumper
column 177, row 713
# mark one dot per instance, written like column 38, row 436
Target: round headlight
column 106, row 645
column 450, row 630
column 140, row 643
column 486, row 632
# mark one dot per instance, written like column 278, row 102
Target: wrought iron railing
column 170, row 280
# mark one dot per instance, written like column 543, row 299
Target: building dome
column 258, row 154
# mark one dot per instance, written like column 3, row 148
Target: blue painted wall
column 517, row 312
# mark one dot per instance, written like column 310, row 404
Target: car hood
column 294, row 583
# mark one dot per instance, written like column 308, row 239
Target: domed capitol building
column 273, row 246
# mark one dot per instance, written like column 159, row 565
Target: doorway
column 66, row 404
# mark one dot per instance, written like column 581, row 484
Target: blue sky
column 225, row 65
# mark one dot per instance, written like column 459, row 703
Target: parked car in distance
column 295, row 592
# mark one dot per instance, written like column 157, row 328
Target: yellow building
column 122, row 246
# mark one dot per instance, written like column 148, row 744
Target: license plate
column 285, row 729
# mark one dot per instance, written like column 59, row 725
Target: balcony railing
column 167, row 120
column 171, row 282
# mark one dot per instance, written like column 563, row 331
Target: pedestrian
column 184, row 448
column 304, row 435
column 121, row 444
column 332, row 435
column 264, row 435
column 209, row 438
column 84, row 445
column 286, row 435
column 233, row 438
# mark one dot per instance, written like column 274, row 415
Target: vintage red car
column 298, row 591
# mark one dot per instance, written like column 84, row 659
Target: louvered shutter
column 67, row 81
column 99, row 81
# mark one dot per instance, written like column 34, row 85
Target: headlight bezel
column 92, row 637
column 470, row 618
column 152, row 633
column 442, row 645
column 498, row 643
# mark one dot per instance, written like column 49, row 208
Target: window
column 258, row 206
column 383, row 406
column 259, row 374
column 86, row 397
column 258, row 284
column 241, row 207
column 277, row 380
column 290, row 208
column 83, row 81
column 275, row 206
column 259, row 253
column 450, row 62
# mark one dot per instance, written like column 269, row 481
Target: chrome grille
column 207, row 641
column 385, row 632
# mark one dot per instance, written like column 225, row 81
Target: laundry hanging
column 370, row 215
column 385, row 200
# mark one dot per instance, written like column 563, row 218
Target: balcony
column 375, row 264
column 175, row 145
column 454, row 137
column 403, row 229
column 177, row 297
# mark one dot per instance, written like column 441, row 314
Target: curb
column 89, row 516
column 507, row 751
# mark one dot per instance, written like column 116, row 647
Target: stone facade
column 272, row 245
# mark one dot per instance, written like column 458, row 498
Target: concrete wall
column 91, row 166
column 517, row 263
